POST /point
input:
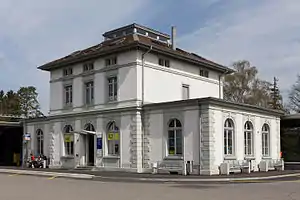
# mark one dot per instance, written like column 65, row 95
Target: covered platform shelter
column 11, row 138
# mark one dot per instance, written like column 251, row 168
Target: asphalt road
column 15, row 187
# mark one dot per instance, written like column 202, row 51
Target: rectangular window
column 89, row 93
column 164, row 62
column 88, row 66
column 248, row 143
column 69, row 144
column 110, row 61
column 68, row 95
column 174, row 142
column 185, row 92
column 68, row 71
column 204, row 73
column 265, row 144
column 113, row 143
column 112, row 88
column 228, row 142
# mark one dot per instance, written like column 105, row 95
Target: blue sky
column 265, row 32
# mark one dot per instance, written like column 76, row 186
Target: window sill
column 230, row 158
column 67, row 157
column 68, row 106
column 112, row 101
column 89, row 105
column 111, row 157
column 169, row 157
column 266, row 158
column 250, row 157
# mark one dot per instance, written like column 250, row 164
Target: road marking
column 51, row 178
column 13, row 175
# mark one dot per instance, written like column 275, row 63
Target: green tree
column 243, row 86
column 12, row 103
column 294, row 96
column 29, row 104
column 9, row 103
column 2, row 102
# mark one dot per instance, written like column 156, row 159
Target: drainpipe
column 143, row 99
column 220, row 84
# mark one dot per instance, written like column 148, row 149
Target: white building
column 135, row 99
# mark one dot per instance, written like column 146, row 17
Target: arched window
column 113, row 139
column 174, row 137
column 89, row 127
column 68, row 140
column 265, row 133
column 228, row 137
column 248, row 138
column 40, row 142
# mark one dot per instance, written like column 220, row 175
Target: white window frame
column 248, row 139
column 67, row 71
column 112, row 88
column 40, row 142
column 176, row 131
column 164, row 62
column 187, row 88
column 69, row 146
column 89, row 92
column 111, row 61
column 229, row 134
column 68, row 95
column 112, row 128
column 265, row 136
column 88, row 66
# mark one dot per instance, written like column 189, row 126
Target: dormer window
column 68, row 71
column 204, row 73
column 110, row 61
column 164, row 62
column 88, row 67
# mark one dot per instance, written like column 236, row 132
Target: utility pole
column 276, row 98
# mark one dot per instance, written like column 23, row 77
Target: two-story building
column 136, row 99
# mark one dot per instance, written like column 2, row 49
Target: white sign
column 27, row 137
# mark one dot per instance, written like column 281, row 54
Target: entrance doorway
column 90, row 144
column 91, row 147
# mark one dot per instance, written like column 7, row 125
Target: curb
column 201, row 180
column 91, row 177
column 48, row 174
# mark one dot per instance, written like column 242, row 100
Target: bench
column 233, row 166
column 168, row 166
column 272, row 164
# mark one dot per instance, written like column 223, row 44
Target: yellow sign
column 117, row 136
column 110, row 136
column 171, row 152
column 113, row 136
column 68, row 138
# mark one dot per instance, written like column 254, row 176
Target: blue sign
column 99, row 143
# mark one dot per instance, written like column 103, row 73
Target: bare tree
column 294, row 96
column 243, row 86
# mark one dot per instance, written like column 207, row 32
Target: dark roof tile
column 134, row 40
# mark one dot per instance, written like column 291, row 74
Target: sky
column 34, row 32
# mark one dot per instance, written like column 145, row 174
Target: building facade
column 135, row 101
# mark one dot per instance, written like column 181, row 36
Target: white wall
column 161, row 83
column 158, row 133
column 240, row 117
column 127, row 84
column 165, row 84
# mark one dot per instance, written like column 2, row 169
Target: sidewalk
column 126, row 176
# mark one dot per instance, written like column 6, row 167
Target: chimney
column 173, row 37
